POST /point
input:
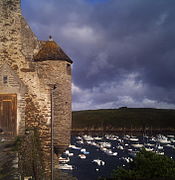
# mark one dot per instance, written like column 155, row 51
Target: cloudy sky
column 123, row 50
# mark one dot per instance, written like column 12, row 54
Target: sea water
column 88, row 153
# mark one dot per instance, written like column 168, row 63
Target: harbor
column 92, row 157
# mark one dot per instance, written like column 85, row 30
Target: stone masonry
column 38, row 73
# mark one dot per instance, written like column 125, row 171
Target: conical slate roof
column 51, row 51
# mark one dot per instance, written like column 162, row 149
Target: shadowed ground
column 8, row 159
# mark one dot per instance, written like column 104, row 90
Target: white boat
column 120, row 147
column 153, row 139
column 79, row 138
column 161, row 136
column 94, row 144
column 97, row 138
column 159, row 147
column 80, row 142
column 103, row 149
column 126, row 137
column 74, row 147
column 172, row 140
column 109, row 152
column 134, row 139
column 150, row 145
column 149, row 149
column 89, row 142
column 68, row 153
column 82, row 156
column 63, row 160
column 169, row 145
column 65, row 167
column 105, row 144
column 115, row 153
column 112, row 137
column 137, row 145
column 160, row 153
column 127, row 159
column 170, row 136
column 84, row 151
column 88, row 138
column 99, row 162
column 164, row 141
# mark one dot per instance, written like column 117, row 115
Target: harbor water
column 92, row 157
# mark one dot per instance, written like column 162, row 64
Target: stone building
column 35, row 82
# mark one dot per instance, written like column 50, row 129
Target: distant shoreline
column 121, row 131
column 125, row 121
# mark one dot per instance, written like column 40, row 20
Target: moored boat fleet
column 123, row 148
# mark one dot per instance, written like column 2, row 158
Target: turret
column 54, row 67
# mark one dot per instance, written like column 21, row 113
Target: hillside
column 124, row 118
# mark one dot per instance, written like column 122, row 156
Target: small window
column 68, row 69
column 5, row 79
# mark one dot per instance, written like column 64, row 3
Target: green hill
column 124, row 118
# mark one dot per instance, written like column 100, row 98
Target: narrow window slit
column 68, row 67
column 5, row 79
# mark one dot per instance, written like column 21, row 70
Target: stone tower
column 35, row 82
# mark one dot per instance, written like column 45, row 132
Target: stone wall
column 31, row 81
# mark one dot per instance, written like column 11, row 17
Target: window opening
column 68, row 69
column 5, row 79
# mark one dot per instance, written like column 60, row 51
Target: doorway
column 8, row 113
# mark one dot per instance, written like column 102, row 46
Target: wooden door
column 8, row 113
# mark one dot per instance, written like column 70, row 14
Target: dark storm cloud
column 123, row 51
column 140, row 34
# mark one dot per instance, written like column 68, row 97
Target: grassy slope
column 124, row 118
